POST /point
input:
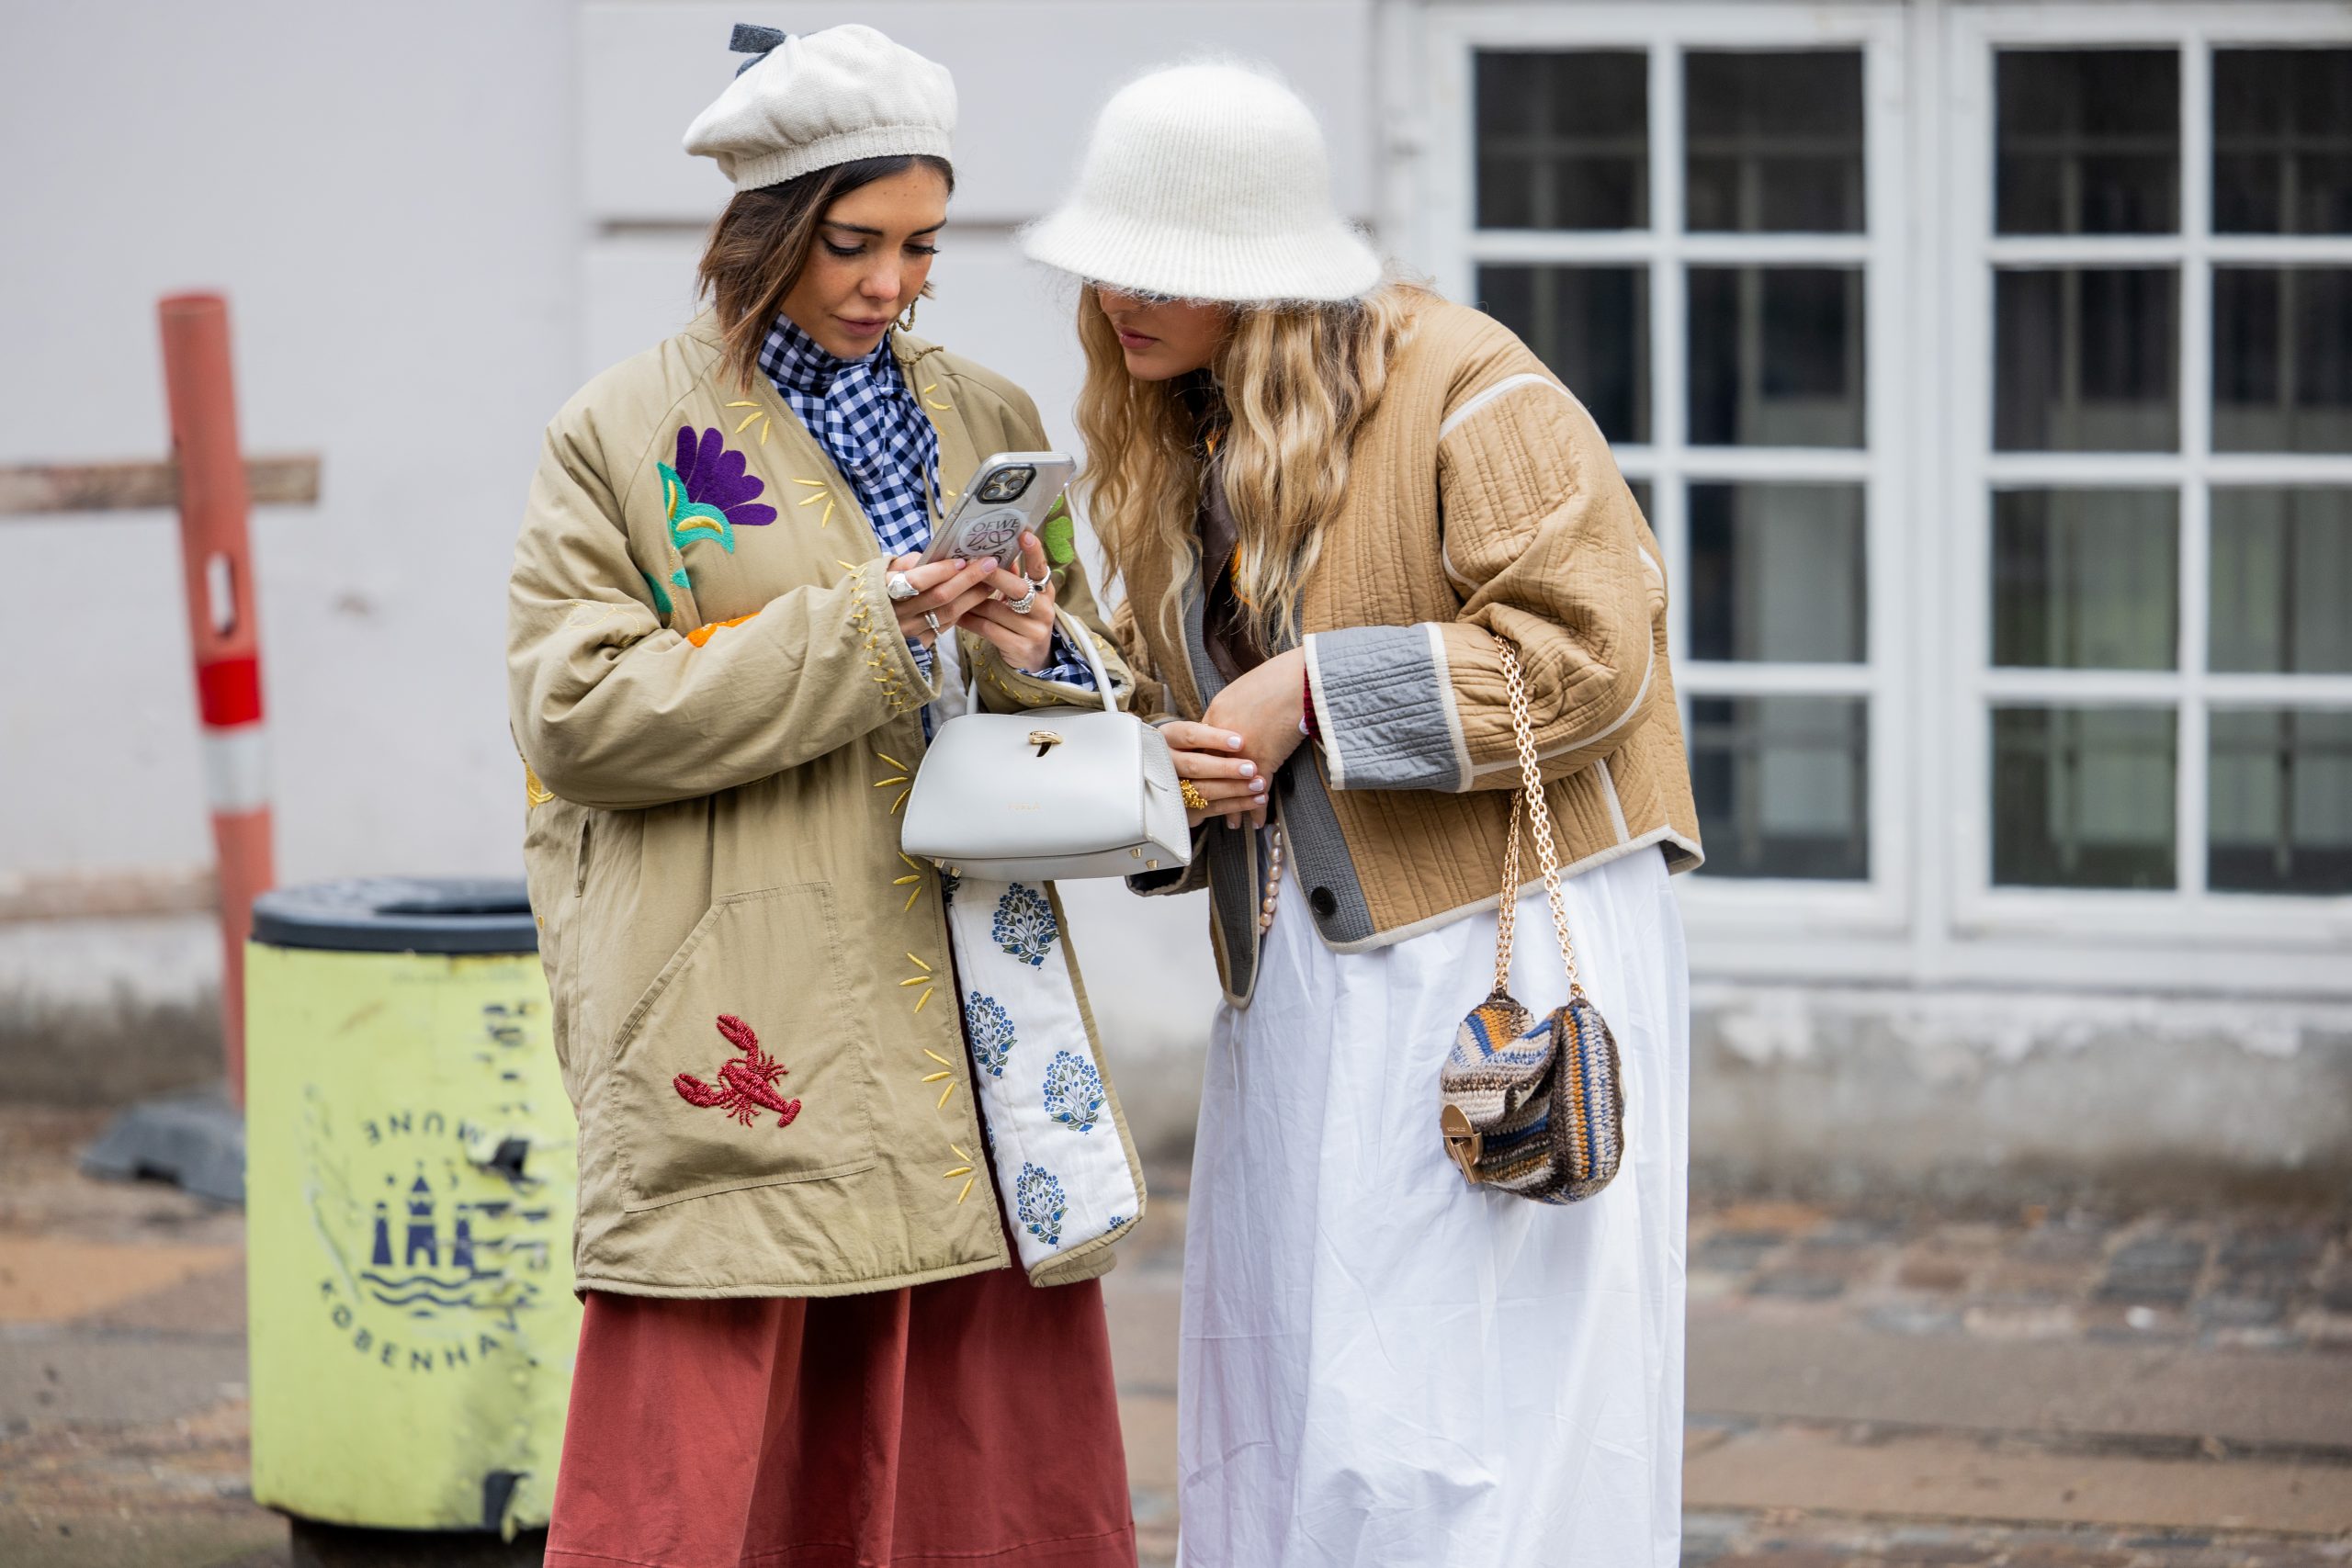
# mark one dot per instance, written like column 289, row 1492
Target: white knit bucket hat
column 1207, row 182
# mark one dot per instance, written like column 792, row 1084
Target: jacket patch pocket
column 741, row 1067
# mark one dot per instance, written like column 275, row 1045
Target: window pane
column 2089, row 141
column 2086, row 360
column 2087, row 579
column 2283, row 140
column 2280, row 802
column 1641, row 489
column 1776, row 355
column 2282, row 359
column 1591, row 325
column 1563, row 139
column 2083, row 797
column 2282, row 581
column 1777, row 572
column 1773, row 140
column 1783, row 785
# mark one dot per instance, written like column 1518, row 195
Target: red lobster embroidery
column 745, row 1088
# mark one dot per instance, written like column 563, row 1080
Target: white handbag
column 1050, row 793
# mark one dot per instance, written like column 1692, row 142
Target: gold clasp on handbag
column 1463, row 1142
column 1044, row 739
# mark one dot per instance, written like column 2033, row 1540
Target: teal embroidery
column 660, row 595
column 990, row 1028
column 1040, row 1202
column 1025, row 925
column 1073, row 1091
column 679, row 577
column 691, row 520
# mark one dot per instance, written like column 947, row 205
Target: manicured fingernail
column 1257, row 786
column 1248, row 769
column 1234, row 741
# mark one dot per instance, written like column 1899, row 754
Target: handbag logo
column 1044, row 739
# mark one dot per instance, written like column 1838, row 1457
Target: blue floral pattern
column 1025, row 925
column 1037, row 1197
column 1073, row 1091
column 990, row 1029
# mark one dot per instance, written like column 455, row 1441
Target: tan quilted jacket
column 721, row 725
column 1482, row 501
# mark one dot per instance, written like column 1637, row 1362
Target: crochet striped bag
column 1534, row 1107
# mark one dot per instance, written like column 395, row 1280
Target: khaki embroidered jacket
column 1481, row 502
column 720, row 721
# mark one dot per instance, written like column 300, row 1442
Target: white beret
column 823, row 98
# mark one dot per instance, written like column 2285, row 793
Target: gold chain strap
column 1530, row 801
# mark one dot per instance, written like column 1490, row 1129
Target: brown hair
column 762, row 241
column 1298, row 381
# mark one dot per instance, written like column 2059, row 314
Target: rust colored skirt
column 970, row 1422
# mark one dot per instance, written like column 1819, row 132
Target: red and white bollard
column 216, row 556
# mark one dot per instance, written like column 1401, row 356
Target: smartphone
column 1007, row 496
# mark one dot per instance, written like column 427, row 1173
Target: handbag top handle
column 1084, row 640
column 1528, row 801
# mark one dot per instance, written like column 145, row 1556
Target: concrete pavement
column 2076, row 1390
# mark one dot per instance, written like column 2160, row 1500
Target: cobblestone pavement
column 1797, row 1540
column 1868, row 1389
column 2243, row 1281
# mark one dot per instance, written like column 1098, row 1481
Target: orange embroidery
column 702, row 634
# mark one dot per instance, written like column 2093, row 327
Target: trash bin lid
column 400, row 914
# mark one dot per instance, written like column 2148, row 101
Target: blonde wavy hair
column 1297, row 381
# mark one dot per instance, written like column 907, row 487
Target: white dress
column 1383, row 1368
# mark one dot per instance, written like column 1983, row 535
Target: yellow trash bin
column 409, row 1175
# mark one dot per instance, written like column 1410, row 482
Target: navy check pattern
column 870, row 423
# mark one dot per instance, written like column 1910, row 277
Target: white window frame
column 2188, row 918
column 1443, row 214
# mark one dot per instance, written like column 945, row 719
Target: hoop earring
column 907, row 316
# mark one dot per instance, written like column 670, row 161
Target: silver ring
column 898, row 585
column 1022, row 606
column 931, row 620
column 1039, row 584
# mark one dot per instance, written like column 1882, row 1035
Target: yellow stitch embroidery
column 924, row 997
column 943, row 1062
column 827, row 520
column 813, row 484
column 901, row 800
column 918, row 980
column 912, row 894
column 903, row 881
column 934, row 1078
column 918, row 963
column 810, row 499
column 959, row 1170
column 943, row 1097
column 957, row 1147
column 968, row 1189
column 886, row 783
column 749, row 420
column 896, row 763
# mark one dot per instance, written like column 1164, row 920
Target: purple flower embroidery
column 708, row 495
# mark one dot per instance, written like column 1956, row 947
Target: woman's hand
column 949, row 591
column 1211, row 758
column 1026, row 641
column 1264, row 708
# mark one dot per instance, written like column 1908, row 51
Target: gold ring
column 1192, row 795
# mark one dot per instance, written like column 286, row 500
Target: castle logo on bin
column 428, row 1259
column 437, row 1227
